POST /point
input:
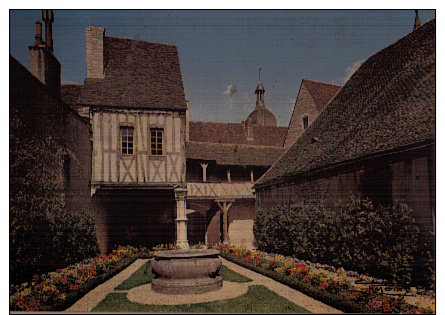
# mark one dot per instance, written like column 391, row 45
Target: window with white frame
column 127, row 140
column 157, row 141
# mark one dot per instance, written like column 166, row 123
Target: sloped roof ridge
column 140, row 40
column 361, row 95
column 316, row 81
column 237, row 145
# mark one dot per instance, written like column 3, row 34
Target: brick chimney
column 95, row 52
column 48, row 18
column 42, row 62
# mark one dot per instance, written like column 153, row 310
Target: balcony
column 220, row 190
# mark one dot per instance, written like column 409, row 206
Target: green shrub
column 378, row 241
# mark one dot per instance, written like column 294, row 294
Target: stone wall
column 304, row 106
column 45, row 116
column 410, row 178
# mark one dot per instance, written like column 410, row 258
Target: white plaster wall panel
column 241, row 233
column 177, row 134
column 168, row 133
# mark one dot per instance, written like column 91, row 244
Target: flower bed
column 56, row 291
column 335, row 289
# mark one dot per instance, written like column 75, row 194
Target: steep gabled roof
column 233, row 154
column 387, row 104
column 70, row 94
column 321, row 92
column 235, row 133
column 147, row 76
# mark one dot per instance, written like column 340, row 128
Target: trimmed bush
column 378, row 241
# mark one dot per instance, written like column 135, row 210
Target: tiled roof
column 388, row 103
column 321, row 92
column 235, row 133
column 262, row 116
column 233, row 154
column 147, row 77
column 70, row 94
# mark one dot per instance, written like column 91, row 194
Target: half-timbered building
column 135, row 100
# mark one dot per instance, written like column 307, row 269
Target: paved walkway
column 144, row 295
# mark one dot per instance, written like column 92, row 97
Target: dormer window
column 157, row 141
column 127, row 143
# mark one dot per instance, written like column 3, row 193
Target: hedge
column 378, row 241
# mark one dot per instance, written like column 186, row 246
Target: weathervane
column 260, row 75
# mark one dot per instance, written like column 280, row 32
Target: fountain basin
column 186, row 271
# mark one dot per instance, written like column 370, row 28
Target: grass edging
column 323, row 296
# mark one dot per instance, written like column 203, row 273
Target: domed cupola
column 261, row 115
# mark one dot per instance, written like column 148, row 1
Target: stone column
column 181, row 218
column 225, row 205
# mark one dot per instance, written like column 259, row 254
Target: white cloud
column 227, row 92
column 349, row 72
column 231, row 89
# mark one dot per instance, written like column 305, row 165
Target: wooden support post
column 251, row 176
column 204, row 171
column 225, row 205
column 228, row 176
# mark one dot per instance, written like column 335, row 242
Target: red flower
column 63, row 281
column 58, row 270
column 273, row 262
column 245, row 259
column 301, row 266
column 324, row 285
column 104, row 260
column 35, row 277
column 386, row 308
column 75, row 287
column 220, row 246
column 128, row 254
column 305, row 278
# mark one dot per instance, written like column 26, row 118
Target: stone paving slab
column 143, row 294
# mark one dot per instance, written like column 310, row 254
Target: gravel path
column 144, row 295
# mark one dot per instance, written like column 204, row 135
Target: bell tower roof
column 261, row 115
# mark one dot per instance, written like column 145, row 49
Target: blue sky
column 219, row 49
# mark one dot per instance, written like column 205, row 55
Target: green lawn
column 258, row 299
column 138, row 278
column 232, row 276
